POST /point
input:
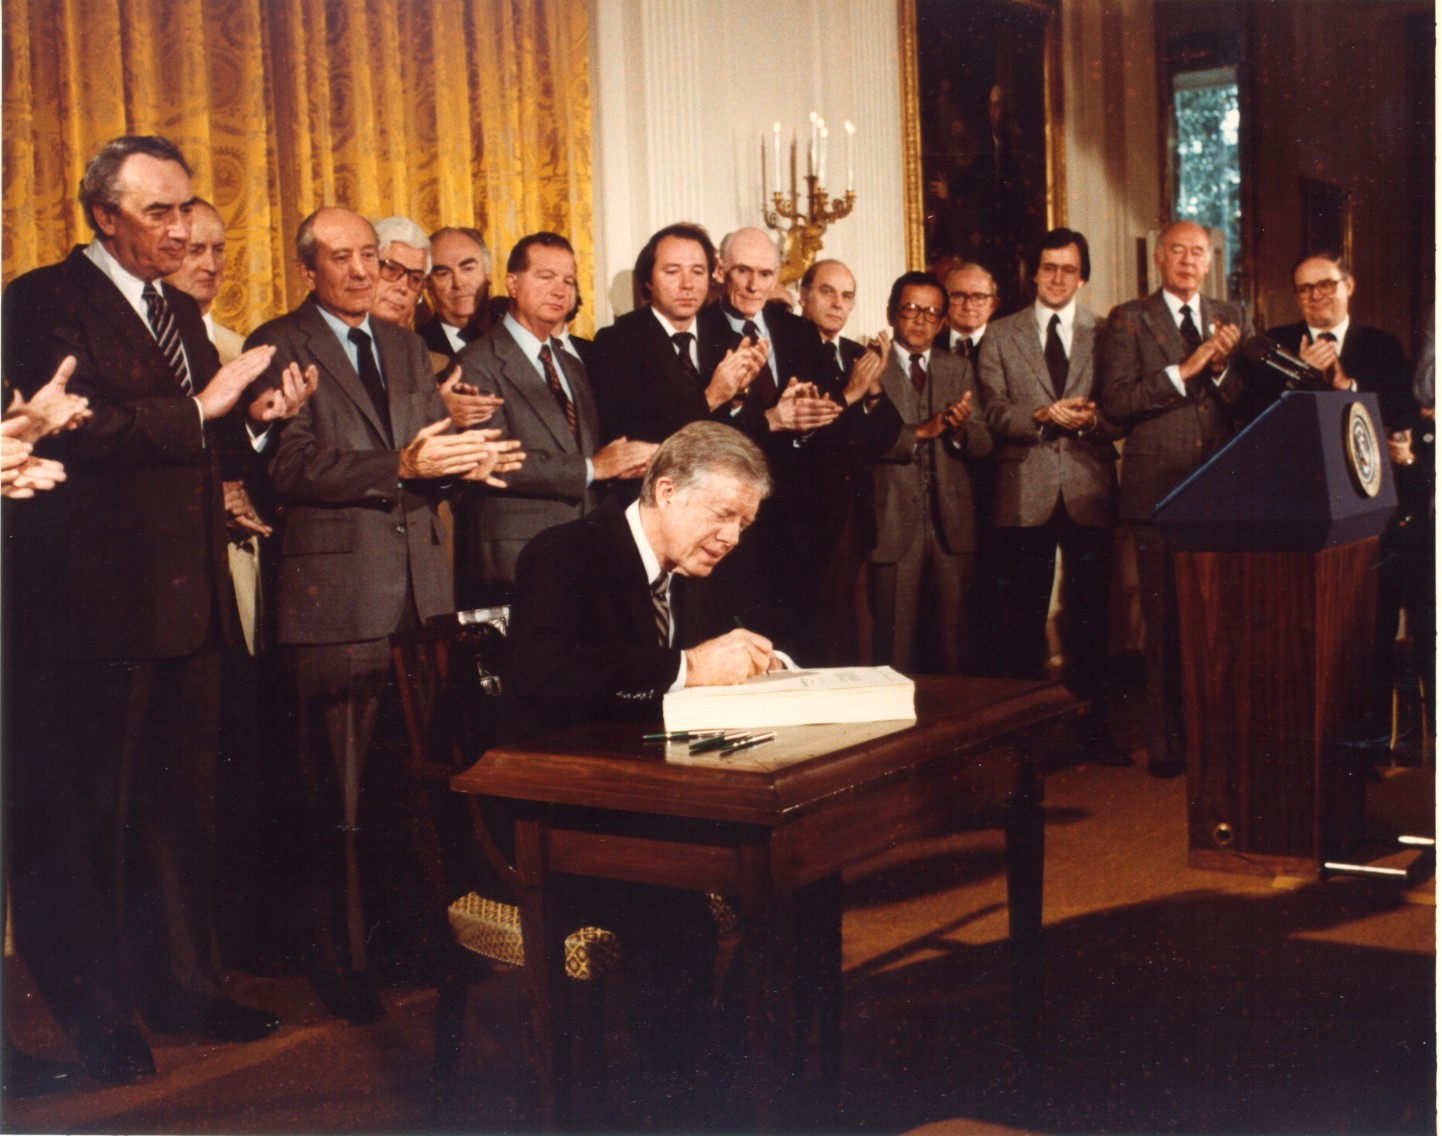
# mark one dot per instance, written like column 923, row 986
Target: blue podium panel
column 1311, row 472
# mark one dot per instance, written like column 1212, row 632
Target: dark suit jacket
column 355, row 538
column 1169, row 435
column 584, row 350
column 897, row 478
column 435, row 338
column 492, row 526
column 1032, row 470
column 1371, row 356
column 643, row 391
column 582, row 643
column 126, row 559
column 798, row 354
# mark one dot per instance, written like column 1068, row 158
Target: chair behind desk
column 448, row 674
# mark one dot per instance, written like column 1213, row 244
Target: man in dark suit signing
column 118, row 602
column 1167, row 380
column 1056, row 484
column 549, row 407
column 610, row 613
column 363, row 555
column 925, row 511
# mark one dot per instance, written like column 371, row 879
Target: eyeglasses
column 976, row 298
column 393, row 272
column 911, row 311
column 1065, row 271
column 1321, row 289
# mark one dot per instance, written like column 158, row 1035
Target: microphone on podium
column 1269, row 353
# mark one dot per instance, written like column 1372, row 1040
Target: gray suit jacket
column 1169, row 435
column 898, row 477
column 550, row 488
column 1033, row 471
column 355, row 538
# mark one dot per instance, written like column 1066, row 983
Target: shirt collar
column 666, row 325
column 738, row 321
column 1340, row 331
column 903, row 356
column 1174, row 305
column 1043, row 316
column 130, row 285
column 341, row 328
column 527, row 342
column 643, row 546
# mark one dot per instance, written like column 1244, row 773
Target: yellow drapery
column 456, row 112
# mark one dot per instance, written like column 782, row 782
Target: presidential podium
column 1275, row 543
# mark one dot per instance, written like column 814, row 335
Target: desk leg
column 769, row 950
column 545, row 973
column 1025, row 847
column 818, row 913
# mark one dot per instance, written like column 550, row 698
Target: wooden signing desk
column 598, row 802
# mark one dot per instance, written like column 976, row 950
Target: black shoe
column 27, row 1076
column 225, row 1020
column 351, row 996
column 221, row 1019
column 116, row 1058
column 1105, row 751
column 1166, row 769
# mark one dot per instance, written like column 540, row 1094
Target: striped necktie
column 553, row 380
column 663, row 608
column 162, row 323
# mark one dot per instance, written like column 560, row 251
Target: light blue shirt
column 531, row 347
column 352, row 352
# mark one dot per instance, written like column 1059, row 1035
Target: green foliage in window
column 1209, row 174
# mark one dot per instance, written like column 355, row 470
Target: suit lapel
column 1159, row 321
column 326, row 349
column 631, row 579
column 102, row 294
column 582, row 399
column 526, row 381
column 1028, row 346
column 1078, row 375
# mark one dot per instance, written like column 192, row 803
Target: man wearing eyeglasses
column 922, row 497
column 1167, row 379
column 971, row 302
column 405, row 258
column 1352, row 356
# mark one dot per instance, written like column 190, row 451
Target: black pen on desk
column 717, row 742
column 746, row 743
column 680, row 735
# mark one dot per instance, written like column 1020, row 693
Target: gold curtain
column 455, row 112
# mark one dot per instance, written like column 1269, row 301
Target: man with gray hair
column 606, row 617
column 459, row 286
column 118, row 600
column 405, row 259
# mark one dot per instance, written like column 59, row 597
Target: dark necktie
column 964, row 347
column 682, row 340
column 918, row 374
column 663, row 608
column 370, row 377
column 553, row 380
column 1190, row 335
column 763, row 387
column 167, row 335
column 1056, row 363
column 1327, row 337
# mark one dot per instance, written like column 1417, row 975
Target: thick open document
column 795, row 698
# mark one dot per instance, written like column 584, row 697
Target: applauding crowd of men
column 201, row 501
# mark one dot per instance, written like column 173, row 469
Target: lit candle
column 776, row 150
column 811, row 148
column 850, row 162
column 821, row 166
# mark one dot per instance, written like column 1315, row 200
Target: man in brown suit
column 363, row 555
column 1167, row 380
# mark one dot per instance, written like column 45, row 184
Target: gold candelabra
column 803, row 216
